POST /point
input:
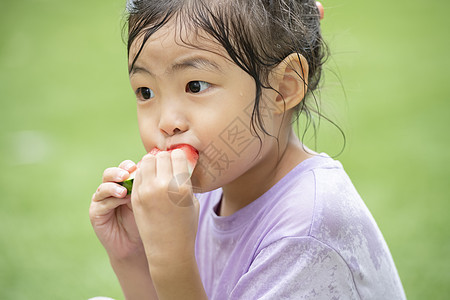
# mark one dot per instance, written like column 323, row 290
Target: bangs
column 229, row 23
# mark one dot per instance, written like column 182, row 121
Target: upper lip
column 179, row 144
column 175, row 145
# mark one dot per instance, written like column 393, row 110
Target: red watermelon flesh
column 191, row 155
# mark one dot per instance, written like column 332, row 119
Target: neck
column 263, row 175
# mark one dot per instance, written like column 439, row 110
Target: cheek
column 147, row 130
column 230, row 149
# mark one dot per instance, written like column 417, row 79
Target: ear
column 291, row 81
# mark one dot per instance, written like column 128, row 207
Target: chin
column 203, row 184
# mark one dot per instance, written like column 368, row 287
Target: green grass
column 67, row 112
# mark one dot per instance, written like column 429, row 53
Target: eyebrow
column 199, row 63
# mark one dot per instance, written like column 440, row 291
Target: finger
column 107, row 190
column 163, row 165
column 147, row 169
column 99, row 209
column 128, row 165
column 115, row 175
column 179, row 162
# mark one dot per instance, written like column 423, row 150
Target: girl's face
column 198, row 96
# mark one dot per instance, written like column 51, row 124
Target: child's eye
column 144, row 93
column 197, row 86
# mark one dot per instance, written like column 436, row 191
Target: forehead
column 171, row 41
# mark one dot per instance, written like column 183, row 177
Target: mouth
column 191, row 155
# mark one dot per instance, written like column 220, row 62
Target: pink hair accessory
column 321, row 10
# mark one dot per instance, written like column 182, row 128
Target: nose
column 172, row 119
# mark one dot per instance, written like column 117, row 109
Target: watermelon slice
column 191, row 155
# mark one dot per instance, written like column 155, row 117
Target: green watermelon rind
column 128, row 184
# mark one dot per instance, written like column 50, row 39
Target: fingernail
column 121, row 175
column 177, row 151
column 120, row 190
column 128, row 165
column 148, row 155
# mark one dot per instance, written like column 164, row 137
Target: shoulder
column 296, row 206
column 321, row 220
column 320, row 193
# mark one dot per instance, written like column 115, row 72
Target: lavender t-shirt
column 309, row 237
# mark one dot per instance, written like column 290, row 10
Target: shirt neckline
column 249, row 212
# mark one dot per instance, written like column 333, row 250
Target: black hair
column 257, row 35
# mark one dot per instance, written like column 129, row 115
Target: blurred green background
column 67, row 112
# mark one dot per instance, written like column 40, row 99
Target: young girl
column 262, row 216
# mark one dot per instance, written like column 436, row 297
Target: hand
column 165, row 209
column 112, row 216
column 113, row 220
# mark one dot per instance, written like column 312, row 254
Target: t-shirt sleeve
column 297, row 268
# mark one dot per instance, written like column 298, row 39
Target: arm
column 178, row 281
column 134, row 278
